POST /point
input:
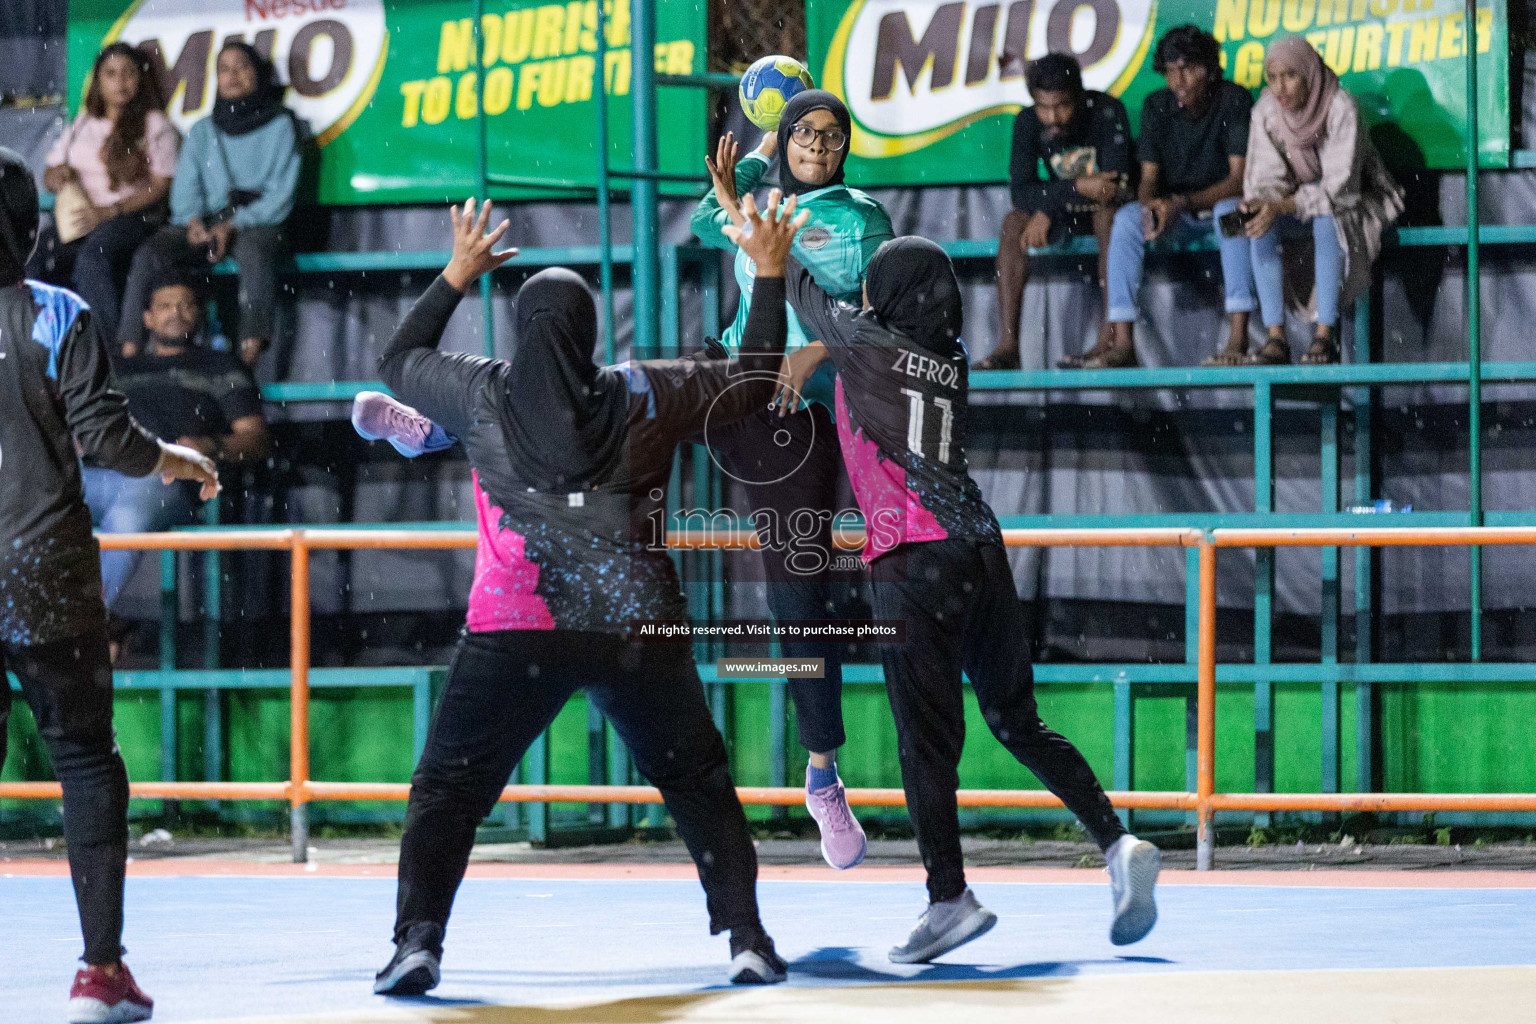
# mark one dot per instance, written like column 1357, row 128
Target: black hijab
column 912, row 289
column 563, row 419
column 18, row 216
column 799, row 105
column 255, row 108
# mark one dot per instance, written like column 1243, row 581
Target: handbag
column 70, row 210
column 71, row 206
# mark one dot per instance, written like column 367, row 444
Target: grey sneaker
column 943, row 927
column 1133, row 865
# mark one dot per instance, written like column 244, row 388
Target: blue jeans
column 1127, row 250
column 125, row 504
column 1327, row 268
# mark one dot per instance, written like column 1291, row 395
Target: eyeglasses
column 833, row 138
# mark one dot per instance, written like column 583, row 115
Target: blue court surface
column 302, row 948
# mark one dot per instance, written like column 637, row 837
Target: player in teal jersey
column 789, row 459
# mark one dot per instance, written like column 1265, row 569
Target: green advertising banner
column 389, row 88
column 933, row 84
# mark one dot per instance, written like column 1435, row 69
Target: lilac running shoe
column 378, row 417
column 842, row 837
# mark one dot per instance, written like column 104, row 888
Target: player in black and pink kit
column 570, row 472
column 937, row 562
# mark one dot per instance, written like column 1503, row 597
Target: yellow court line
column 1489, row 995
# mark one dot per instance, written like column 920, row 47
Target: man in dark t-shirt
column 1071, row 165
column 205, row 399
column 1193, row 144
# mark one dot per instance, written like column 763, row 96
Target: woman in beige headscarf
column 1310, row 165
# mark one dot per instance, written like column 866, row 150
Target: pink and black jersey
column 571, row 461
column 903, row 421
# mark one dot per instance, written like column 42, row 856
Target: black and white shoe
column 754, row 961
column 1133, row 865
column 417, row 964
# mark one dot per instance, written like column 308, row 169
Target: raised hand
column 767, row 235
column 722, row 172
column 473, row 245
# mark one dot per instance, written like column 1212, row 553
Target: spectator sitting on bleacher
column 1083, row 140
column 205, row 399
column 1311, row 165
column 110, row 171
column 1192, row 147
column 234, row 189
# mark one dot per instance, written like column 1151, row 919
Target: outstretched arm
column 443, row 386
column 99, row 420
column 723, row 391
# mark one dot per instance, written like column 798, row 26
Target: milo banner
column 389, row 90
column 933, row 84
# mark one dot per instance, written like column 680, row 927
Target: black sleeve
column 1023, row 178
column 822, row 317
column 239, row 396
column 690, row 393
column 97, row 413
column 1149, row 145
column 441, row 386
column 762, row 341
column 1113, row 138
column 1239, row 111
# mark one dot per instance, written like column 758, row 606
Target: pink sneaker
column 842, row 838
column 378, row 417
column 101, row 998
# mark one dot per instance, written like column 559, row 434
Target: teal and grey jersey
column 845, row 229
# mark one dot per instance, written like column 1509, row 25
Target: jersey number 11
column 915, row 408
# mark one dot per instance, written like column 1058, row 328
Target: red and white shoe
column 99, row 997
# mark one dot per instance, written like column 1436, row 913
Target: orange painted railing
column 300, row 789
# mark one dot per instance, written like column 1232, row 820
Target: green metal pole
column 1474, row 336
column 604, row 227
column 645, row 270
column 482, row 168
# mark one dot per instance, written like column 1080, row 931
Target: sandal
column 1112, row 359
column 1324, row 351
column 999, row 360
column 1275, row 352
column 1104, row 343
column 1227, row 357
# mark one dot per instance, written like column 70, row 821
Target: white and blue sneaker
column 1133, row 865
column 378, row 417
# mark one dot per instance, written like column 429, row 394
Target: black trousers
column 503, row 690
column 69, row 687
column 790, row 468
column 95, row 266
column 962, row 612
column 256, row 251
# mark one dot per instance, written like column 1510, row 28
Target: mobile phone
column 1232, row 224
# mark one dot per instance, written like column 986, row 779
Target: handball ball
column 769, row 84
